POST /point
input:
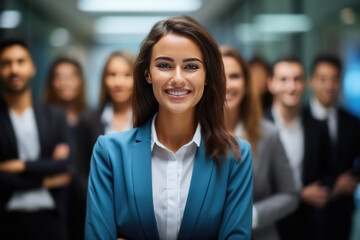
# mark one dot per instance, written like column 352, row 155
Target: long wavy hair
column 129, row 58
column 250, row 108
column 210, row 109
column 50, row 95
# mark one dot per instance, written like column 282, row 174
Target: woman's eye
column 111, row 74
column 235, row 76
column 192, row 66
column 163, row 65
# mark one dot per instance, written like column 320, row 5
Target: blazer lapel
column 8, row 132
column 41, row 126
column 203, row 168
column 141, row 172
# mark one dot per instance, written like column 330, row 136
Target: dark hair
column 129, row 58
column 11, row 41
column 260, row 61
column 210, row 109
column 286, row 58
column 326, row 58
column 250, row 108
column 49, row 92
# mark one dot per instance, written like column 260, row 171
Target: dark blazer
column 120, row 201
column 52, row 129
column 343, row 153
column 302, row 224
column 88, row 130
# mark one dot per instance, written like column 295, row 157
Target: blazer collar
column 141, row 172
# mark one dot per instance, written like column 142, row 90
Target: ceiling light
column 139, row 5
column 282, row 23
column 125, row 25
column 59, row 37
column 10, row 19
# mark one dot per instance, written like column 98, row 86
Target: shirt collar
column 279, row 122
column 154, row 140
column 319, row 111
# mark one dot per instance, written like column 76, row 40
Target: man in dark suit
column 34, row 153
column 306, row 146
column 344, row 132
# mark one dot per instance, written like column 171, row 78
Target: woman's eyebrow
column 164, row 58
column 192, row 59
column 172, row 60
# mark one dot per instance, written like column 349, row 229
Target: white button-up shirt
column 292, row 137
column 171, row 177
column 319, row 112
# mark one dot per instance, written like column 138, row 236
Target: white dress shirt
column 28, row 144
column 171, row 177
column 107, row 117
column 319, row 112
column 292, row 137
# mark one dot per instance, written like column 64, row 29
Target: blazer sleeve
column 237, row 215
column 100, row 210
column 48, row 166
column 285, row 198
column 11, row 182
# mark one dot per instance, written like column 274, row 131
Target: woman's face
column 177, row 73
column 67, row 82
column 235, row 82
column 119, row 80
column 260, row 77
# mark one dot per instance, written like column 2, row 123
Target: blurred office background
column 89, row 30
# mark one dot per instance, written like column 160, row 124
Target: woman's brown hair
column 210, row 109
column 129, row 58
column 250, row 107
column 51, row 97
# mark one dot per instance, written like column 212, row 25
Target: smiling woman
column 179, row 174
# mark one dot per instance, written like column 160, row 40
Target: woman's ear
column 147, row 76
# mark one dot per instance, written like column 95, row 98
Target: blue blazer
column 120, row 201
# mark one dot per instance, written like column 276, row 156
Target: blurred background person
column 35, row 153
column 306, row 145
column 65, row 87
column 274, row 193
column 114, row 115
column 260, row 73
column 344, row 133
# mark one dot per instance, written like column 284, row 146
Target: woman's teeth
column 177, row 93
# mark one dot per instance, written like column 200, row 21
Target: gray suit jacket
column 274, row 192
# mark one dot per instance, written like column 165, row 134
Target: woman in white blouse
column 179, row 174
column 114, row 115
column 275, row 194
